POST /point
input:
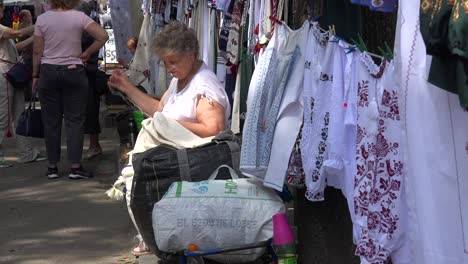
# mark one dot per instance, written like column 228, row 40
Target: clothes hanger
column 331, row 29
column 361, row 45
column 387, row 53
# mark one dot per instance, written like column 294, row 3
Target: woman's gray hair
column 176, row 38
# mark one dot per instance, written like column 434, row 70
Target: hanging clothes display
column 122, row 26
column 156, row 71
column 379, row 206
column 274, row 113
column 318, row 82
column 441, row 24
column 435, row 126
column 245, row 71
column 342, row 129
column 458, row 45
column 329, row 121
column 224, row 31
column 139, row 68
column 213, row 39
column 136, row 16
column 295, row 175
column 458, row 27
column 200, row 23
column 253, row 21
column 322, row 113
column 233, row 47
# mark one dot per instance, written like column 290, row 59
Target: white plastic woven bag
column 216, row 214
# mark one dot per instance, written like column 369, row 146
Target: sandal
column 141, row 250
column 4, row 164
column 92, row 153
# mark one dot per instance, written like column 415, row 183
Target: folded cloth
column 162, row 130
column 117, row 190
column 154, row 132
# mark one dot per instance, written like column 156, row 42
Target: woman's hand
column 123, row 63
column 84, row 57
column 35, row 80
column 119, row 80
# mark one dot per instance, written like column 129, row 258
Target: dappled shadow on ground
column 63, row 221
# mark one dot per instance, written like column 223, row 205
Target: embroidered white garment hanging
column 275, row 113
column 155, row 25
column 379, row 206
column 437, row 136
column 291, row 108
column 342, row 129
column 318, row 84
column 139, row 64
column 350, row 134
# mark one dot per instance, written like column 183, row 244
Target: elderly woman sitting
column 195, row 97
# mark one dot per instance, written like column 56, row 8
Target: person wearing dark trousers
column 60, row 76
column 91, row 126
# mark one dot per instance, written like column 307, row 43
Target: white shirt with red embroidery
column 379, row 205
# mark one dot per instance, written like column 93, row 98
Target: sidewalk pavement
column 63, row 221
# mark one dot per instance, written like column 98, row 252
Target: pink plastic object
column 282, row 232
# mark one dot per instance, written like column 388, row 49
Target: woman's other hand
column 123, row 63
column 35, row 80
column 119, row 80
column 84, row 57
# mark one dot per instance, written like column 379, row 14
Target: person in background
column 12, row 99
column 195, row 98
column 60, row 76
column 40, row 6
column 132, row 44
column 91, row 126
column 25, row 18
column 123, row 118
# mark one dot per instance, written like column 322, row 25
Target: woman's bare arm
column 25, row 43
column 10, row 33
column 210, row 116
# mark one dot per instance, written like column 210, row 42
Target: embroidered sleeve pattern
column 316, row 124
column 379, row 174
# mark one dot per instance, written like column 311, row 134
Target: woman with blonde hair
column 59, row 73
column 12, row 99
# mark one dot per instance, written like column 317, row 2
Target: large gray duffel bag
column 157, row 168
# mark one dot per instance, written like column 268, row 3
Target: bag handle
column 231, row 171
column 19, row 60
column 32, row 101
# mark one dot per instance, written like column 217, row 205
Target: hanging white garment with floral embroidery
column 379, row 209
column 274, row 107
column 318, row 83
column 291, row 107
column 334, row 164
